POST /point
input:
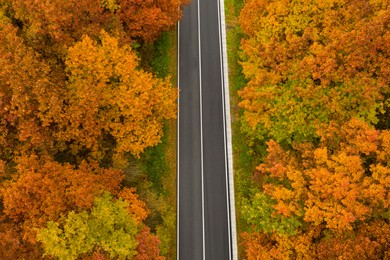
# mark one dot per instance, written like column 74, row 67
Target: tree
column 44, row 190
column 148, row 245
column 107, row 226
column 29, row 99
column 58, row 24
column 146, row 19
column 313, row 197
column 312, row 62
column 73, row 101
column 12, row 244
column 335, row 186
column 136, row 208
column 367, row 241
column 109, row 98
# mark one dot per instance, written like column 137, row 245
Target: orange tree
column 100, row 103
column 60, row 23
column 109, row 98
column 43, row 190
column 146, row 19
column 336, row 191
column 28, row 98
column 56, row 200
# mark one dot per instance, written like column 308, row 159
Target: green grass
column 162, row 60
column 155, row 163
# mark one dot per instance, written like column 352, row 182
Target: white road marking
column 178, row 145
column 201, row 131
column 224, row 133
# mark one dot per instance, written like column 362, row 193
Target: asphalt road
column 203, row 223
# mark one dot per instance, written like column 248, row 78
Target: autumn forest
column 85, row 96
column 78, row 102
column 314, row 114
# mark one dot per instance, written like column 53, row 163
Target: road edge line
column 224, row 132
column 201, row 131
column 178, row 147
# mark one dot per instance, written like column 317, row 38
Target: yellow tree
column 110, row 100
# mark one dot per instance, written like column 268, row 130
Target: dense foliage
column 317, row 96
column 75, row 108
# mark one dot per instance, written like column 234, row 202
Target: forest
column 86, row 97
column 313, row 111
column 80, row 101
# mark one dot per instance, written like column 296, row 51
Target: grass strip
column 160, row 161
column 244, row 162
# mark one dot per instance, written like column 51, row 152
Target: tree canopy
column 109, row 96
column 317, row 96
column 76, row 105
column 312, row 62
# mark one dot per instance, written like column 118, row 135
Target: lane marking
column 201, row 131
column 178, row 146
column 227, row 131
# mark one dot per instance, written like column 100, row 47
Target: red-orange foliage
column 12, row 245
column 370, row 241
column 148, row 246
column 342, row 181
column 339, row 189
column 65, row 103
column 274, row 246
column 60, row 22
column 367, row 241
column 137, row 208
column 28, row 100
column 97, row 255
column 145, row 19
column 44, row 190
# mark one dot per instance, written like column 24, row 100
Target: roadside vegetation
column 244, row 160
column 310, row 86
column 160, row 162
column 87, row 129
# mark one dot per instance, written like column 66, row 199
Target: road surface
column 204, row 229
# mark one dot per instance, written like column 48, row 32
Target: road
column 204, row 227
